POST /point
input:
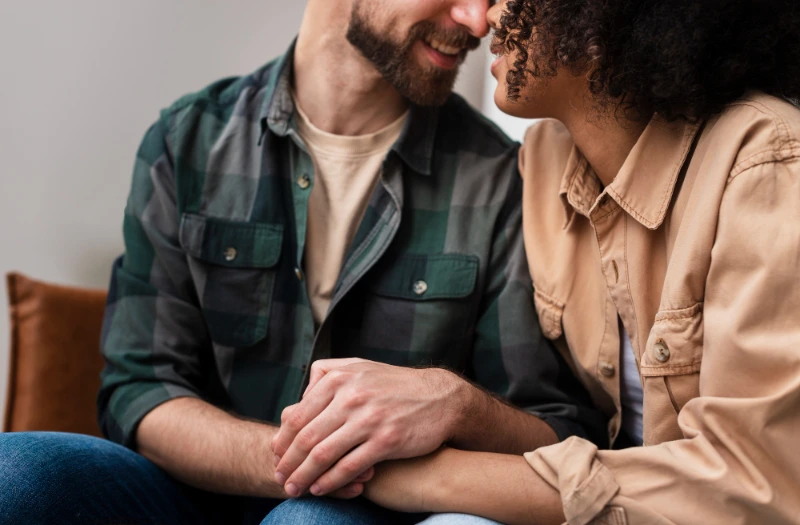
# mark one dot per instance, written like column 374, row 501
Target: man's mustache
column 449, row 37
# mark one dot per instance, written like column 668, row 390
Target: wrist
column 460, row 407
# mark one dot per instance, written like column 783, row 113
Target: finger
column 320, row 368
column 351, row 491
column 322, row 457
column 346, row 470
column 296, row 417
column 366, row 476
column 276, row 439
column 309, row 447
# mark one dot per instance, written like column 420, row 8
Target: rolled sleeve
column 737, row 461
column 154, row 337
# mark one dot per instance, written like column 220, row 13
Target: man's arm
column 208, row 448
column 155, row 386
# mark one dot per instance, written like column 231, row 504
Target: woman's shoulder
column 763, row 128
column 546, row 150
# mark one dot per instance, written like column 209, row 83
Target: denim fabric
column 49, row 478
column 67, row 478
column 324, row 511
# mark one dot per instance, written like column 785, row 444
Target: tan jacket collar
column 644, row 185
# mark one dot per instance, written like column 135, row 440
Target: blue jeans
column 55, row 478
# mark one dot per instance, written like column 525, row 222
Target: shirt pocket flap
column 429, row 277
column 231, row 244
column 550, row 312
column 675, row 344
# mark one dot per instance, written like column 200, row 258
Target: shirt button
column 304, row 182
column 299, row 273
column 661, row 351
column 420, row 287
column 607, row 369
column 230, row 254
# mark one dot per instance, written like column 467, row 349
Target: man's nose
column 472, row 15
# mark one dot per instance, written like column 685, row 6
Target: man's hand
column 357, row 413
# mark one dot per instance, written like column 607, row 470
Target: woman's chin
column 515, row 109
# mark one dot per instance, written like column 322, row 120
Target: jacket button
column 420, row 287
column 607, row 369
column 230, row 254
column 661, row 351
column 304, row 182
column 299, row 274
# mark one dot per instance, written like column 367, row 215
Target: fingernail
column 316, row 489
column 280, row 478
column 292, row 490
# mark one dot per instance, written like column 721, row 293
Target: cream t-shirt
column 346, row 170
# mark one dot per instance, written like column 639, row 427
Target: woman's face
column 538, row 97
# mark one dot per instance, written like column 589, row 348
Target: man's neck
column 338, row 89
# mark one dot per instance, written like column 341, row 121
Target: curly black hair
column 681, row 59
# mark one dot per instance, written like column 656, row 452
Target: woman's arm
column 500, row 487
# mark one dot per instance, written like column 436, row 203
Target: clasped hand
column 355, row 414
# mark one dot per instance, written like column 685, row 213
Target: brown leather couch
column 54, row 373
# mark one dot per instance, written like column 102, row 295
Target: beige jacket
column 696, row 246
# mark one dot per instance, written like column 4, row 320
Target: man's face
column 418, row 45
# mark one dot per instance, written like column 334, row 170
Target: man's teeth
column 444, row 48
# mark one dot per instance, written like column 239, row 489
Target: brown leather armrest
column 54, row 374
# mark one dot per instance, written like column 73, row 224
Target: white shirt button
column 299, row 273
column 420, row 287
column 230, row 253
column 304, row 182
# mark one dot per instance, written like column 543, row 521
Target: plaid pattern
column 208, row 299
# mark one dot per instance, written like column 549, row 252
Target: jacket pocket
column 422, row 305
column 670, row 369
column 550, row 312
column 233, row 264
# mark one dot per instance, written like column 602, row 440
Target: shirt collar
column 415, row 145
column 646, row 182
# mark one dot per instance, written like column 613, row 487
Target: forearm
column 485, row 423
column 208, row 448
column 500, row 487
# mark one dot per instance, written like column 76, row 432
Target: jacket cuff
column 572, row 468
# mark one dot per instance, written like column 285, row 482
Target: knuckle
column 350, row 468
column 322, row 455
column 294, row 420
column 306, row 440
column 357, row 398
column 389, row 439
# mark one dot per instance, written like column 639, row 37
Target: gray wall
column 81, row 82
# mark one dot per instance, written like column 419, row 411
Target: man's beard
column 424, row 86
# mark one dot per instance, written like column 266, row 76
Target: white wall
column 81, row 82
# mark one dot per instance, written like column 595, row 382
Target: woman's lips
column 496, row 64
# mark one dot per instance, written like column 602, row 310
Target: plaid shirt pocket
column 235, row 262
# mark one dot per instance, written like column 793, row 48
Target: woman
column 662, row 223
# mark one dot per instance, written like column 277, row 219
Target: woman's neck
column 605, row 141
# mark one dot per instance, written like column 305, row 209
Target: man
column 335, row 227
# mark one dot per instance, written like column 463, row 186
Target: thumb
column 320, row 368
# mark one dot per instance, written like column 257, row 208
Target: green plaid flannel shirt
column 208, row 300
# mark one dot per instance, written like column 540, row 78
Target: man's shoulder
column 241, row 96
column 465, row 128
